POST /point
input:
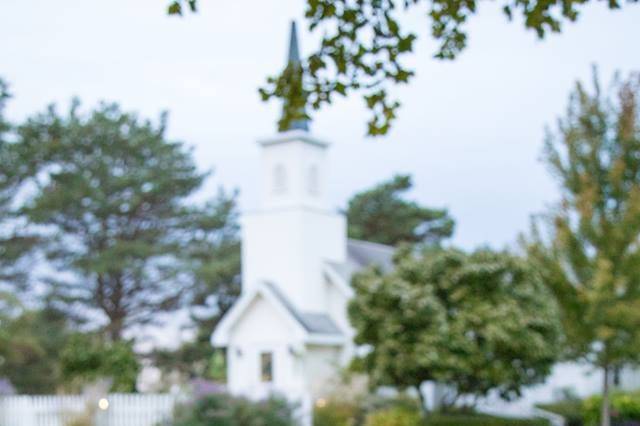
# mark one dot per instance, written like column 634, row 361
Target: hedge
column 571, row 410
column 480, row 420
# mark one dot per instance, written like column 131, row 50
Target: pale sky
column 470, row 131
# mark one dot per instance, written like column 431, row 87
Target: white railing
column 53, row 410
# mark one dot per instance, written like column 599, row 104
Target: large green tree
column 214, row 261
column 589, row 246
column 382, row 215
column 15, row 242
column 476, row 322
column 114, row 199
column 363, row 43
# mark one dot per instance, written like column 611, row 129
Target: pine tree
column 15, row 242
column 114, row 199
column 381, row 215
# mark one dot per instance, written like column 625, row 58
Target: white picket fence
column 53, row 410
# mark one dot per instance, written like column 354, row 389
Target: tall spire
column 293, row 61
column 294, row 52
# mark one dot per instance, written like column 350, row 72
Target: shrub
column 571, row 410
column 352, row 410
column 226, row 410
column 397, row 416
column 480, row 420
column 625, row 408
column 336, row 413
column 86, row 358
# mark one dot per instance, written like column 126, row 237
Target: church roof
column 316, row 323
column 365, row 253
column 361, row 254
column 313, row 327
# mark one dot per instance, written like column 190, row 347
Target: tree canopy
column 382, row 215
column 476, row 322
column 113, row 199
column 364, row 42
column 588, row 247
column 15, row 242
column 87, row 358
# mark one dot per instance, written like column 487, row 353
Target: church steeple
column 293, row 73
column 294, row 52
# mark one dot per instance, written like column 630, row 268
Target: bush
column 625, row 409
column 354, row 411
column 398, row 416
column 571, row 410
column 480, row 420
column 86, row 358
column 335, row 413
column 226, row 410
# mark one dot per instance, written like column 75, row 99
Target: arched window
column 313, row 183
column 279, row 179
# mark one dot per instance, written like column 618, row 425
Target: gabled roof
column 311, row 327
column 317, row 323
column 360, row 254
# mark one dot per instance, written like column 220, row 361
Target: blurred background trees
column 382, row 215
column 477, row 323
column 109, row 210
column 112, row 194
column 587, row 247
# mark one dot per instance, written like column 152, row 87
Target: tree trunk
column 605, row 415
column 423, row 402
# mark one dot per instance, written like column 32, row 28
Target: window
column 279, row 179
column 266, row 367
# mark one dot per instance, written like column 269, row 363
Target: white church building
column 289, row 331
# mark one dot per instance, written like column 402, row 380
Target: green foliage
column 336, row 413
column 30, row 346
column 403, row 411
column 15, row 242
column 113, row 195
column 571, row 410
column 290, row 86
column 394, row 417
column 363, row 44
column 193, row 360
column 625, row 407
column 381, row 215
column 177, row 7
column 86, row 359
column 480, row 420
column 477, row 322
column 589, row 255
column 225, row 410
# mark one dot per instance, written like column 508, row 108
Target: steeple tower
column 293, row 72
column 294, row 231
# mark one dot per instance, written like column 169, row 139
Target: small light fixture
column 103, row 404
column 321, row 403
